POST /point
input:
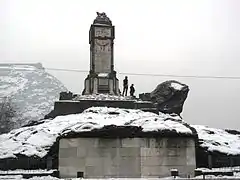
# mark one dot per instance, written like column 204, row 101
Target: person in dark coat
column 125, row 86
column 132, row 90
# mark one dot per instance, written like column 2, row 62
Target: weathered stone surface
column 126, row 157
column 170, row 96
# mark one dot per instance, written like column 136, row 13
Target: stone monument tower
column 102, row 77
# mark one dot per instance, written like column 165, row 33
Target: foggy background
column 180, row 37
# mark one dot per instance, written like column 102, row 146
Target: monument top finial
column 102, row 19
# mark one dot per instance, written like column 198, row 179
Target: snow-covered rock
column 218, row 140
column 37, row 140
column 170, row 96
column 31, row 90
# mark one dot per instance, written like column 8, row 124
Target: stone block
column 68, row 172
column 173, row 143
column 151, row 161
column 93, row 152
column 190, row 156
column 102, row 152
column 63, row 143
column 116, row 160
column 127, row 161
column 162, row 161
column 173, row 152
column 190, row 142
column 143, row 142
column 88, row 142
column 94, row 172
column 129, row 166
column 110, row 152
column 72, row 162
column 67, row 152
column 129, row 172
column 153, row 152
column 108, row 162
column 183, row 142
column 94, row 161
column 110, row 176
column 157, row 142
column 151, row 171
column 109, row 143
column 127, row 176
column 73, row 142
column 111, row 171
column 81, row 152
column 155, row 171
column 130, row 142
column 174, row 161
column 130, row 152
column 183, row 152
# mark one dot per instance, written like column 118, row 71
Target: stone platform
column 66, row 107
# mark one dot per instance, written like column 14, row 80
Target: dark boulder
column 170, row 96
column 66, row 95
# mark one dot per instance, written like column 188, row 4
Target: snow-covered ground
column 218, row 140
column 167, row 178
column 36, row 140
column 222, row 169
column 31, row 91
column 21, row 171
column 6, row 175
column 235, row 170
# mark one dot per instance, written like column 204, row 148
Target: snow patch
column 103, row 75
column 177, row 86
column 23, row 171
column 218, row 140
column 37, row 140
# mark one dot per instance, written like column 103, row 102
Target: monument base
column 101, row 83
column 66, row 107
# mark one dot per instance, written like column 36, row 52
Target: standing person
column 132, row 90
column 125, row 86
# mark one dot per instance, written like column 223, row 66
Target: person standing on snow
column 125, row 86
column 132, row 90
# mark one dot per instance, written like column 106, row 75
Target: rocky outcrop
column 170, row 96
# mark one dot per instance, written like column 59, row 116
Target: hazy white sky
column 183, row 37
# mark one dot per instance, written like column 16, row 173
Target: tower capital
column 102, row 19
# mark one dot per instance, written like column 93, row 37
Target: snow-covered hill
column 37, row 140
column 30, row 90
column 218, row 140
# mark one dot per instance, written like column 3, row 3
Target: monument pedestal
column 101, row 83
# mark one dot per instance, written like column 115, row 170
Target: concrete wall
column 128, row 157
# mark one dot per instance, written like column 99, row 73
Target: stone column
column 95, row 86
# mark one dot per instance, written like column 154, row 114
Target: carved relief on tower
column 103, row 55
column 102, row 32
column 102, row 46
